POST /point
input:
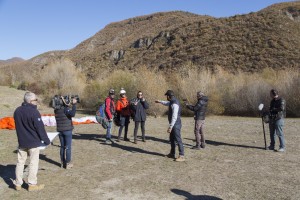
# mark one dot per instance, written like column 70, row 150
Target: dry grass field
column 234, row 165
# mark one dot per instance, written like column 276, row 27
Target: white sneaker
column 281, row 150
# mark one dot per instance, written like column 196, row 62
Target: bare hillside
column 172, row 40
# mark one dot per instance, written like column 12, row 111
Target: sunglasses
column 140, row 94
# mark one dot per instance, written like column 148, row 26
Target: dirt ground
column 234, row 164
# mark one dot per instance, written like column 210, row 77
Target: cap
column 111, row 91
column 122, row 91
column 170, row 93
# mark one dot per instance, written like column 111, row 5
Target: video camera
column 60, row 101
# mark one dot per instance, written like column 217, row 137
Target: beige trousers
column 33, row 154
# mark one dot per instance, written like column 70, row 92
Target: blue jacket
column 29, row 126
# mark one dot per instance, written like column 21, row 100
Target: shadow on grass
column 44, row 158
column 216, row 143
column 135, row 149
column 190, row 196
column 101, row 138
column 7, row 173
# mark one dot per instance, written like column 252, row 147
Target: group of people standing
column 31, row 131
column 124, row 108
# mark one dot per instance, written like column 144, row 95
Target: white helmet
column 122, row 91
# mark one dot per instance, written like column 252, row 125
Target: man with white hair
column 31, row 134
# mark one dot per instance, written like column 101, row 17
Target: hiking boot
column 69, row 166
column 126, row 139
column 35, row 187
column 144, row 140
column 281, row 150
column 135, row 142
column 170, row 155
column 17, row 187
column 196, row 147
column 271, row 148
column 180, row 159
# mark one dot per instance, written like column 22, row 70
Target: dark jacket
column 200, row 108
column 170, row 112
column 139, row 110
column 63, row 117
column 29, row 126
column 277, row 109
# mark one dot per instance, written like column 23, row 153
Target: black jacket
column 139, row 110
column 63, row 117
column 200, row 108
column 277, row 109
column 30, row 127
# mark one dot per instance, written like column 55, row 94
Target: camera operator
column 277, row 114
column 199, row 110
column 63, row 116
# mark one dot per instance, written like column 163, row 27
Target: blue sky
column 31, row 27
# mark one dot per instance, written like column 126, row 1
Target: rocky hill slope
column 172, row 40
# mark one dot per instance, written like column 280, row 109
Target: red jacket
column 109, row 107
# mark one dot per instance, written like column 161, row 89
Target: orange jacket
column 122, row 106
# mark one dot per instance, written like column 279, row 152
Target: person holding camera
column 199, row 116
column 109, row 113
column 277, row 114
column 174, row 129
column 31, row 134
column 64, row 125
column 139, row 105
column 123, row 110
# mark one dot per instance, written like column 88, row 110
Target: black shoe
column 170, row 155
column 271, row 148
column 196, row 147
column 126, row 139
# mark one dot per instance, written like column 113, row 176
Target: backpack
column 116, row 119
column 101, row 117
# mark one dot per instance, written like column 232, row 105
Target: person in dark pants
column 199, row 111
column 174, row 125
column 123, row 110
column 31, row 135
column 139, row 106
column 64, row 126
column 277, row 114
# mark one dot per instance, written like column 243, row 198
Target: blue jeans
column 108, row 131
column 175, row 137
column 276, row 128
column 65, row 138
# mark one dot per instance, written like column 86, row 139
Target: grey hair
column 29, row 96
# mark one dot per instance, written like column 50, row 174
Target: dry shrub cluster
column 241, row 93
column 229, row 94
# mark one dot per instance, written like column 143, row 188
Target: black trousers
column 136, row 127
